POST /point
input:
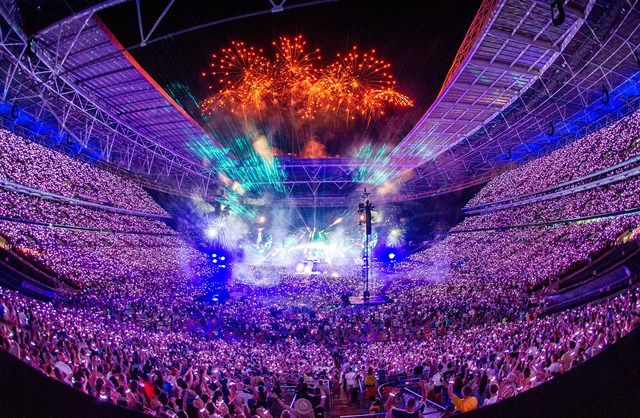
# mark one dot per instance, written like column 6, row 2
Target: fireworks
column 356, row 85
column 395, row 238
column 360, row 84
column 293, row 61
column 244, row 74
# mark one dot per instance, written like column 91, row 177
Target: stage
column 373, row 300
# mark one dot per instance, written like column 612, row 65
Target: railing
column 395, row 382
column 293, row 388
column 594, row 180
column 84, row 228
column 426, row 401
column 20, row 188
column 596, row 217
column 403, row 385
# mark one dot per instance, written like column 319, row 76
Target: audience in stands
column 60, row 174
column 599, row 150
column 129, row 329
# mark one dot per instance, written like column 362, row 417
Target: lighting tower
column 364, row 218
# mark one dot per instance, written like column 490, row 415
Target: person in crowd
column 411, row 410
column 466, row 403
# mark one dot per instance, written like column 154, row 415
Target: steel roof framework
column 599, row 49
column 515, row 78
column 493, row 67
column 72, row 76
column 85, row 80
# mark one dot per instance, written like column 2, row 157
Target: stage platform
column 373, row 300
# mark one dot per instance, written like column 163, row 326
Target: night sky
column 419, row 39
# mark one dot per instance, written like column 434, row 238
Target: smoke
column 262, row 148
column 387, row 188
column 393, row 186
column 280, row 221
column 247, row 274
column 236, row 228
column 233, row 185
column 314, row 149
column 201, row 206
column 229, row 231
column 339, row 237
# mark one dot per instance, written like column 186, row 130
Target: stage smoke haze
column 262, row 148
column 314, row 149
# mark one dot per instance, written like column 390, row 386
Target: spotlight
column 212, row 232
column 262, row 219
column 392, row 256
column 223, row 258
column 605, row 96
column 557, row 13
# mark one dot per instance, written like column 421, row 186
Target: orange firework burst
column 356, row 85
column 244, row 75
column 294, row 74
column 361, row 84
column 292, row 58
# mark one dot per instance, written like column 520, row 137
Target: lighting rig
column 364, row 218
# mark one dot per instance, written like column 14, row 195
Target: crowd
column 526, row 256
column 617, row 197
column 135, row 332
column 60, row 174
column 599, row 150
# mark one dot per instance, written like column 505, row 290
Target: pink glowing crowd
column 60, row 174
column 604, row 148
column 128, row 328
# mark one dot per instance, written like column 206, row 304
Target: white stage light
column 212, row 231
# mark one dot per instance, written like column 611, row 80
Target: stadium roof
column 524, row 87
column 102, row 97
column 519, row 86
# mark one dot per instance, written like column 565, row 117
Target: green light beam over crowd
column 376, row 167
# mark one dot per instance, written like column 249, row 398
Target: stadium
column 319, row 208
